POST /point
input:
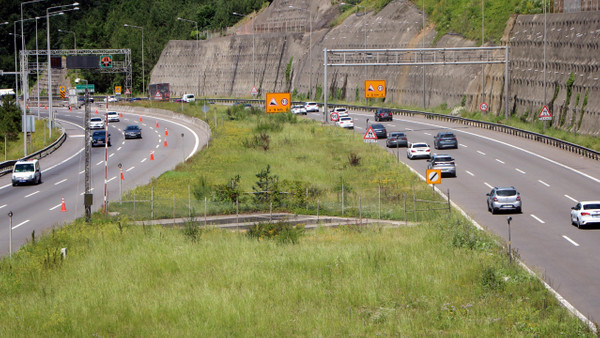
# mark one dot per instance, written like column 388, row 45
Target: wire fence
column 375, row 202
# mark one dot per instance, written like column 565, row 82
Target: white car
column 188, row 98
column 298, row 109
column 418, row 150
column 346, row 122
column 96, row 123
column 311, row 107
column 110, row 99
column 113, row 117
column 585, row 213
column 342, row 112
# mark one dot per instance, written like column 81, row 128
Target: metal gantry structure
column 415, row 57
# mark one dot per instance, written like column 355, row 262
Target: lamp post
column 309, row 46
column 23, row 83
column 62, row 8
column 253, row 66
column 24, row 76
column 87, row 200
column 197, row 52
column 74, row 38
column 16, row 68
column 143, row 71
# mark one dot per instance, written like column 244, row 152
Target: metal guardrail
column 568, row 146
column 7, row 166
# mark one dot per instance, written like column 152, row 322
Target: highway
column 38, row 207
column 550, row 182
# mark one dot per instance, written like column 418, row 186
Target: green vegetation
column 440, row 277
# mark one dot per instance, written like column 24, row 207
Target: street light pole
column 197, row 53
column 309, row 47
column 87, row 200
column 74, row 38
column 143, row 71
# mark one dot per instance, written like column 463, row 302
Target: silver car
column 504, row 199
column 443, row 162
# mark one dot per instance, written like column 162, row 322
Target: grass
column 39, row 140
column 441, row 277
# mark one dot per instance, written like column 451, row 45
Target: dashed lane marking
column 544, row 183
column 537, row 219
column 481, row 152
column 500, row 161
column 570, row 240
column 521, row 171
column 33, row 193
column 59, row 182
column 571, row 198
column 470, row 173
column 489, row 186
column 18, row 225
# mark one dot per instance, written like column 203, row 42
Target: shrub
column 354, row 159
column 284, row 233
column 229, row 192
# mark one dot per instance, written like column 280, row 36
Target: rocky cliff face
column 279, row 57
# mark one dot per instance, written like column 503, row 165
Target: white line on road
column 358, row 128
column 18, row 225
column 157, row 146
column 76, row 135
column 81, row 172
column 462, row 145
column 537, row 219
column 570, row 240
column 142, row 161
column 500, row 161
column 56, row 206
column 129, row 169
column 111, row 155
column 119, row 148
column 99, row 163
column 92, row 189
column 427, row 134
column 2, row 206
column 111, row 179
column 33, row 193
column 521, row 171
column 481, row 152
column 571, row 198
column 59, row 182
column 489, row 186
column 470, row 173
column 544, row 183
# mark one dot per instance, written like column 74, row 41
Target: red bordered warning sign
column 370, row 135
column 334, row 117
column 545, row 114
column 483, row 106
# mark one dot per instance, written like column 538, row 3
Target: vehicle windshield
column 132, row 128
column 591, row 206
column 346, row 119
column 396, row 135
column 447, row 136
column 443, row 159
column 419, row 145
column 24, row 167
column 507, row 192
column 98, row 133
column 96, row 119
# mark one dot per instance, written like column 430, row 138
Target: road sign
column 106, row 61
column 127, row 92
column 117, row 90
column 334, row 116
column 254, row 91
column 434, row 176
column 277, row 102
column 81, row 88
column 370, row 136
column 375, row 89
column 483, row 106
column 63, row 92
column 205, row 108
column 545, row 114
column 158, row 96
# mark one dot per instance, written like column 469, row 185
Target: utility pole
column 87, row 200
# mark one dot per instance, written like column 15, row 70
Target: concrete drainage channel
column 248, row 220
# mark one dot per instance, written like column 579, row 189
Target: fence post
column 449, row 209
column 318, row 211
column 173, row 209
column 405, row 217
column 271, row 211
column 379, row 202
column 306, row 199
column 205, row 211
column 189, row 202
column 360, row 209
column 237, row 213
column 342, row 199
column 134, row 203
column 414, row 204
column 151, row 203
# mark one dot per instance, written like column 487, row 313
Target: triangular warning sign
column 370, row 89
column 545, row 114
column 127, row 92
column 370, row 134
column 254, row 91
column 273, row 102
column 157, row 95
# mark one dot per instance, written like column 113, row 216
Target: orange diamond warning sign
column 374, row 89
column 545, row 114
column 277, row 102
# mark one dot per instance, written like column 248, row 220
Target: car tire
column 519, row 210
column 579, row 226
column 14, row 184
column 494, row 211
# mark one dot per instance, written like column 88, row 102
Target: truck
column 159, row 92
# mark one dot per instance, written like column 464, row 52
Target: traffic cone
column 45, row 107
column 166, row 132
column 152, row 156
column 96, row 111
column 27, row 106
column 165, row 142
column 122, row 178
column 140, row 119
column 63, row 207
column 70, row 108
column 156, row 124
column 121, row 115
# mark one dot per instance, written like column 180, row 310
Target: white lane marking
column 122, row 144
column 489, row 186
column 481, row 152
column 462, row 145
column 76, row 135
column 6, row 186
column 92, row 189
column 59, row 182
column 56, row 206
column 544, row 183
column 81, row 172
column 409, row 129
column 119, row 148
column 33, row 193
column 427, row 134
column 111, row 179
column 537, row 218
column 500, row 161
column 111, row 155
column 470, row 173
column 142, row 161
column 18, row 225
column 157, row 146
column 521, row 171
column 2, row 206
column 99, row 163
column 570, row 240
column 571, row 198
column 129, row 169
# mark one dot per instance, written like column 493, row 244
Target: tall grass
column 38, row 140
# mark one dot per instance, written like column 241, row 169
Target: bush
column 284, row 233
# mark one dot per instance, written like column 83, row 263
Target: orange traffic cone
column 166, row 132
column 140, row 119
column 45, row 108
column 121, row 115
column 156, row 124
column 70, row 108
column 152, row 156
column 63, row 207
column 27, row 106
column 165, row 142
column 96, row 111
column 122, row 178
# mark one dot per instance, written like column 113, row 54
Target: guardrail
column 7, row 166
column 568, row 146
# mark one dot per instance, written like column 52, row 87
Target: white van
column 188, row 98
column 27, row 171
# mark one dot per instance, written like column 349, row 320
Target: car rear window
column 396, row 134
column 449, row 135
column 419, row 145
column 346, row 119
column 591, row 206
column 443, row 158
column 507, row 192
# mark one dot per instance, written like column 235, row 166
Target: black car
column 132, row 131
column 383, row 115
column 396, row 139
column 379, row 130
column 445, row 139
column 99, row 138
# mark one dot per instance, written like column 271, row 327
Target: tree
column 10, row 118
